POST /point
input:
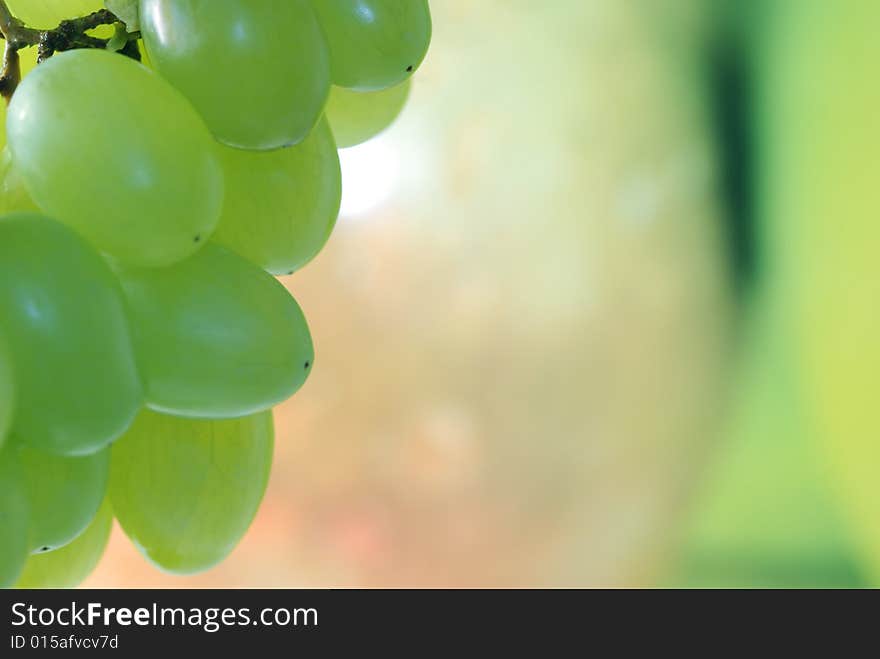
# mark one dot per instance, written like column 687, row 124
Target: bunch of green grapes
column 146, row 208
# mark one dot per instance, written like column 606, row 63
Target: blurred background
column 600, row 310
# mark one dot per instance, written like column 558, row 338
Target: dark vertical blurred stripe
column 731, row 96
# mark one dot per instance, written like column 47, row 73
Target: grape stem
column 68, row 35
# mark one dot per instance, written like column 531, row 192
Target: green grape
column 128, row 162
column 185, row 491
column 280, row 206
column 257, row 70
column 13, row 196
column 13, row 519
column 63, row 493
column 64, row 320
column 359, row 116
column 49, row 13
column 374, row 44
column 216, row 336
column 69, row 566
column 7, row 391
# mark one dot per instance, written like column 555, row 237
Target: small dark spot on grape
column 409, row 69
column 290, row 273
column 197, row 238
column 44, row 549
column 307, row 364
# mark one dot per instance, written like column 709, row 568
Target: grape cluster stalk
column 160, row 165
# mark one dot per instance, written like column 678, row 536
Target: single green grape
column 49, row 13
column 185, row 491
column 359, row 116
column 216, row 336
column 281, row 206
column 69, row 566
column 7, row 390
column 63, row 317
column 13, row 519
column 374, row 44
column 104, row 145
column 257, row 70
column 63, row 493
column 13, row 195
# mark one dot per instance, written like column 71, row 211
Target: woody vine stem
column 68, row 35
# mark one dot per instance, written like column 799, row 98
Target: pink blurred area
column 521, row 321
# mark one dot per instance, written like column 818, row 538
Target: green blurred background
column 601, row 309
